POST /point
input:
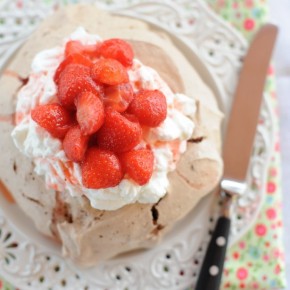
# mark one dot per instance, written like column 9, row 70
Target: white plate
column 30, row 261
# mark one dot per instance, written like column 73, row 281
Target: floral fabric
column 257, row 260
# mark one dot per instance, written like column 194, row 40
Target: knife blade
column 243, row 120
column 237, row 150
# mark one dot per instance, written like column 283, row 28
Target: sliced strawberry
column 90, row 112
column 74, row 80
column 119, row 133
column 138, row 164
column 101, row 169
column 74, row 46
column 75, row 144
column 149, row 107
column 54, row 118
column 72, row 59
column 118, row 97
column 109, row 72
column 117, row 49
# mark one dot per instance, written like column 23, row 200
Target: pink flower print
column 242, row 285
column 267, row 244
column 242, row 245
column 271, row 213
column 271, row 187
column 235, row 5
column 277, row 269
column 273, row 172
column 277, row 253
column 228, row 285
column 255, row 285
column 242, row 273
column 260, row 230
column 277, row 145
column 249, row 3
column 249, row 24
column 236, row 255
column 221, row 3
column 266, row 258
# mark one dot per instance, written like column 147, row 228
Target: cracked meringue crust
column 87, row 235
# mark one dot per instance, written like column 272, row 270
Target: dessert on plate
column 115, row 135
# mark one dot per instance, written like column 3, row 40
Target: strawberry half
column 90, row 112
column 117, row 49
column 109, row 72
column 74, row 46
column 54, row 118
column 72, row 59
column 138, row 164
column 118, row 97
column 150, row 107
column 74, row 80
column 101, row 169
column 119, row 133
column 75, row 144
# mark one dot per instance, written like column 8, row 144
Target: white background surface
column 280, row 15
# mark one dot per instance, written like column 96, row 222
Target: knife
column 237, row 149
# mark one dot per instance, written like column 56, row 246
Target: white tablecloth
column 280, row 15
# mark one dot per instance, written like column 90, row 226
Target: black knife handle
column 213, row 263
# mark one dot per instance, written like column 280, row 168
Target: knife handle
column 213, row 264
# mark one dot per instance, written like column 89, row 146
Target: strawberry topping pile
column 98, row 117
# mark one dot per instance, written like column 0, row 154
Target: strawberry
column 119, row 133
column 118, row 97
column 138, row 164
column 90, row 112
column 75, row 144
column 93, row 140
column 117, row 49
column 74, row 80
column 54, row 118
column 149, row 107
column 74, row 58
column 101, row 169
column 110, row 72
column 74, row 46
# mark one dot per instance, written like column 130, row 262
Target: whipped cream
column 167, row 141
